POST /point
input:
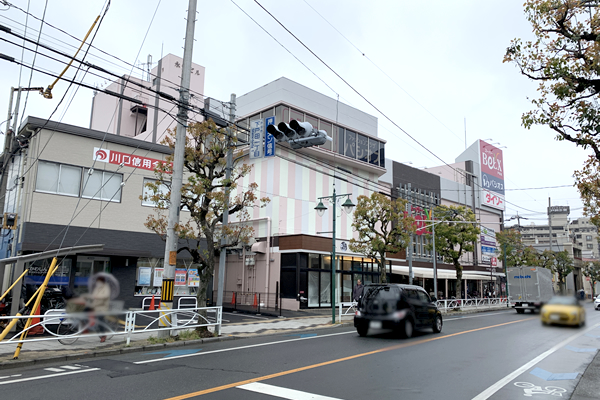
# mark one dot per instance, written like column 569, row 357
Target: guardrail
column 450, row 304
column 124, row 323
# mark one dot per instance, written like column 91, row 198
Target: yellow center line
column 292, row 371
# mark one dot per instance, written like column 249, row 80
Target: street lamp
column 347, row 207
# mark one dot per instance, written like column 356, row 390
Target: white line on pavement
column 282, row 393
column 243, row 347
column 486, row 394
column 34, row 378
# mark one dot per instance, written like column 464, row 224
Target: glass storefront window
column 314, row 261
column 38, row 270
column 313, row 288
column 381, row 154
column 347, row 264
column 347, row 287
column 87, row 266
column 268, row 113
column 325, row 289
column 327, row 262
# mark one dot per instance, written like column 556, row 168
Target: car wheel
column 520, row 311
column 437, row 324
column 362, row 330
column 408, row 328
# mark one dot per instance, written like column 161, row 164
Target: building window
column 362, row 148
column 102, row 185
column 340, row 140
column 381, row 154
column 588, row 237
column 58, row 178
column 146, row 192
column 590, row 246
column 350, row 144
column 374, row 152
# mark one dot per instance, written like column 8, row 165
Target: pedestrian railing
column 124, row 323
column 451, row 304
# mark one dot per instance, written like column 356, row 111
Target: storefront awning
column 444, row 273
column 424, row 272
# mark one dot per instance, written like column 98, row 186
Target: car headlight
column 574, row 313
column 400, row 314
column 357, row 314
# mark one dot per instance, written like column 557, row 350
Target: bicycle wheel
column 67, row 331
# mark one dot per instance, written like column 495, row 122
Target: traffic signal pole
column 170, row 259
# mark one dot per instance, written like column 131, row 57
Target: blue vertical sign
column 269, row 139
column 256, row 138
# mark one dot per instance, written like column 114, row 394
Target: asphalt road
column 495, row 355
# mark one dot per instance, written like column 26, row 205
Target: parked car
column 403, row 308
column 563, row 310
column 597, row 303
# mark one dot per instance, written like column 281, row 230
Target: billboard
column 492, row 174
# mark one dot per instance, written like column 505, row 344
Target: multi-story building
column 83, row 186
column 557, row 236
column 586, row 236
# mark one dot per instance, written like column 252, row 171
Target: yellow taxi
column 563, row 310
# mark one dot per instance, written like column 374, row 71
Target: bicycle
column 73, row 326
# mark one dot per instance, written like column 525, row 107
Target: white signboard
column 492, row 199
column 257, row 134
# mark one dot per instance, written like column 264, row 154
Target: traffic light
column 298, row 134
column 9, row 221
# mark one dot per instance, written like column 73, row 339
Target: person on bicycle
column 101, row 298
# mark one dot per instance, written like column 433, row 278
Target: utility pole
column 410, row 246
column 229, row 167
column 170, row 260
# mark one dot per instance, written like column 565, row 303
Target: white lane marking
column 486, row 394
column 71, row 367
column 54, row 369
column 283, row 393
column 243, row 347
column 10, row 376
column 471, row 316
column 34, row 378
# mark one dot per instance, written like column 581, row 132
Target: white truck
column 529, row 287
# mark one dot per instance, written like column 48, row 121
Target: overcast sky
column 427, row 66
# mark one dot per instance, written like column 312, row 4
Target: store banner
column 180, row 277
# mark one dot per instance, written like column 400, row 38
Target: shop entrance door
column 87, row 266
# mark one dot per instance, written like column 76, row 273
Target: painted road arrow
column 549, row 376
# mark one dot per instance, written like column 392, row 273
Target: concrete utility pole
column 229, row 167
column 177, row 179
column 410, row 245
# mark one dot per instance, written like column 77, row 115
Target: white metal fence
column 451, row 304
column 124, row 323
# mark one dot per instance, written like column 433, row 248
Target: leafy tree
column 563, row 267
column 383, row 227
column 547, row 259
column 592, row 271
column 455, row 236
column 565, row 60
column 511, row 246
column 203, row 196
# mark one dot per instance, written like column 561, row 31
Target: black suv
column 402, row 308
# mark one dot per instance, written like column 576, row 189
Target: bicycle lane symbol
column 530, row 389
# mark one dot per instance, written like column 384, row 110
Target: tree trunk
column 458, row 269
column 201, row 298
column 382, row 270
